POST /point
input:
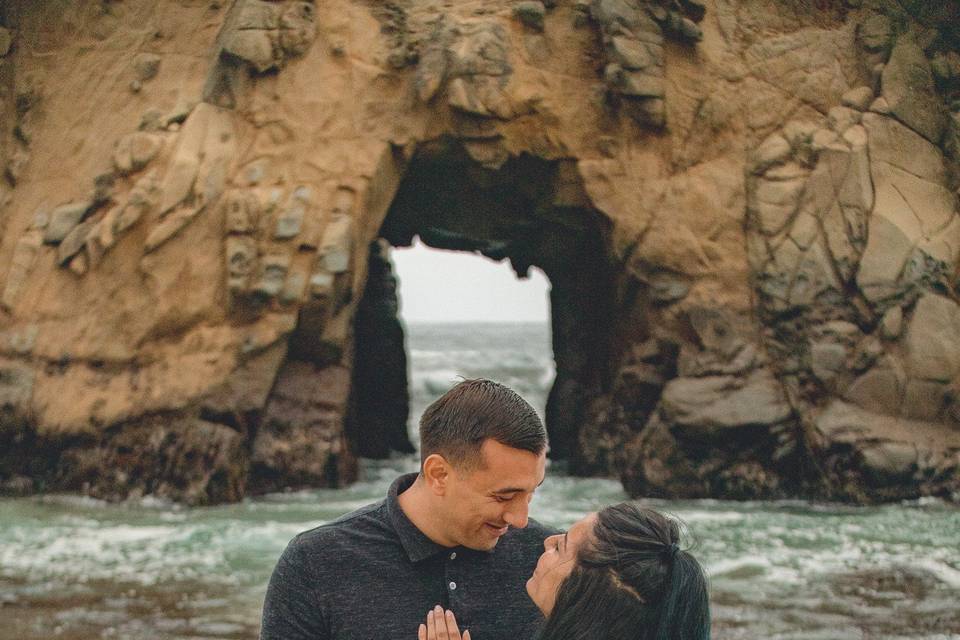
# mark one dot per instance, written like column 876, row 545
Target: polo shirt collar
column 417, row 545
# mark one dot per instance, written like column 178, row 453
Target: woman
column 616, row 574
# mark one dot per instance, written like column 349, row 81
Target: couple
column 455, row 538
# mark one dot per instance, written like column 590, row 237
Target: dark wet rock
column 377, row 422
column 187, row 460
column 300, row 442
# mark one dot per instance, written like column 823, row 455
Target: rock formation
column 747, row 211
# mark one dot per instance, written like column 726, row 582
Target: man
column 455, row 535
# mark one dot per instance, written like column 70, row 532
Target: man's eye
column 503, row 498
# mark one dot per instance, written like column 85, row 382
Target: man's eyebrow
column 516, row 489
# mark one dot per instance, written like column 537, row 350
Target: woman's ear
column 436, row 473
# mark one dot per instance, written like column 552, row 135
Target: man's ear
column 436, row 473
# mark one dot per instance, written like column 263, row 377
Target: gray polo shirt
column 373, row 574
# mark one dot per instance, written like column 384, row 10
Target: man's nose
column 517, row 513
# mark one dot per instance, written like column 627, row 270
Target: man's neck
column 417, row 504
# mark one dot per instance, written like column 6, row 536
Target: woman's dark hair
column 631, row 581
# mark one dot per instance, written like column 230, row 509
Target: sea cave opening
column 527, row 212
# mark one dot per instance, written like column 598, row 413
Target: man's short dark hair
column 456, row 424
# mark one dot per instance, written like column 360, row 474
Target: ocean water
column 72, row 567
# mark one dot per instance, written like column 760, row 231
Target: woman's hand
column 441, row 625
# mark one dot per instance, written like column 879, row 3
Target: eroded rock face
column 749, row 219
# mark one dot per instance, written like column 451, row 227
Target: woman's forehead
column 582, row 528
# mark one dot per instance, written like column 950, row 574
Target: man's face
column 481, row 504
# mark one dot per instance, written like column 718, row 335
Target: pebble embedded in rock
column 858, row 98
column 531, row 14
column 135, row 151
column 62, row 221
column 146, row 66
column 892, row 324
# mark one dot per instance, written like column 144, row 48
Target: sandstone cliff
column 747, row 210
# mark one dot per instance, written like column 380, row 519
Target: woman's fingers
column 441, row 625
column 442, row 631
column 452, row 630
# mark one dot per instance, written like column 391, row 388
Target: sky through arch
column 458, row 286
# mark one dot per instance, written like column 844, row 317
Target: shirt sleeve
column 292, row 607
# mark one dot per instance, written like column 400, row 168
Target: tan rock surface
column 188, row 258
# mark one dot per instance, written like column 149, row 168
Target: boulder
column 933, row 339
column 298, row 28
column 632, row 54
column 775, row 149
column 254, row 33
column 880, row 389
column 891, row 326
column 925, row 400
column 827, row 360
column 890, row 460
column 909, row 90
column 709, row 407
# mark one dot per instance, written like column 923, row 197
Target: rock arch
column 712, row 189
